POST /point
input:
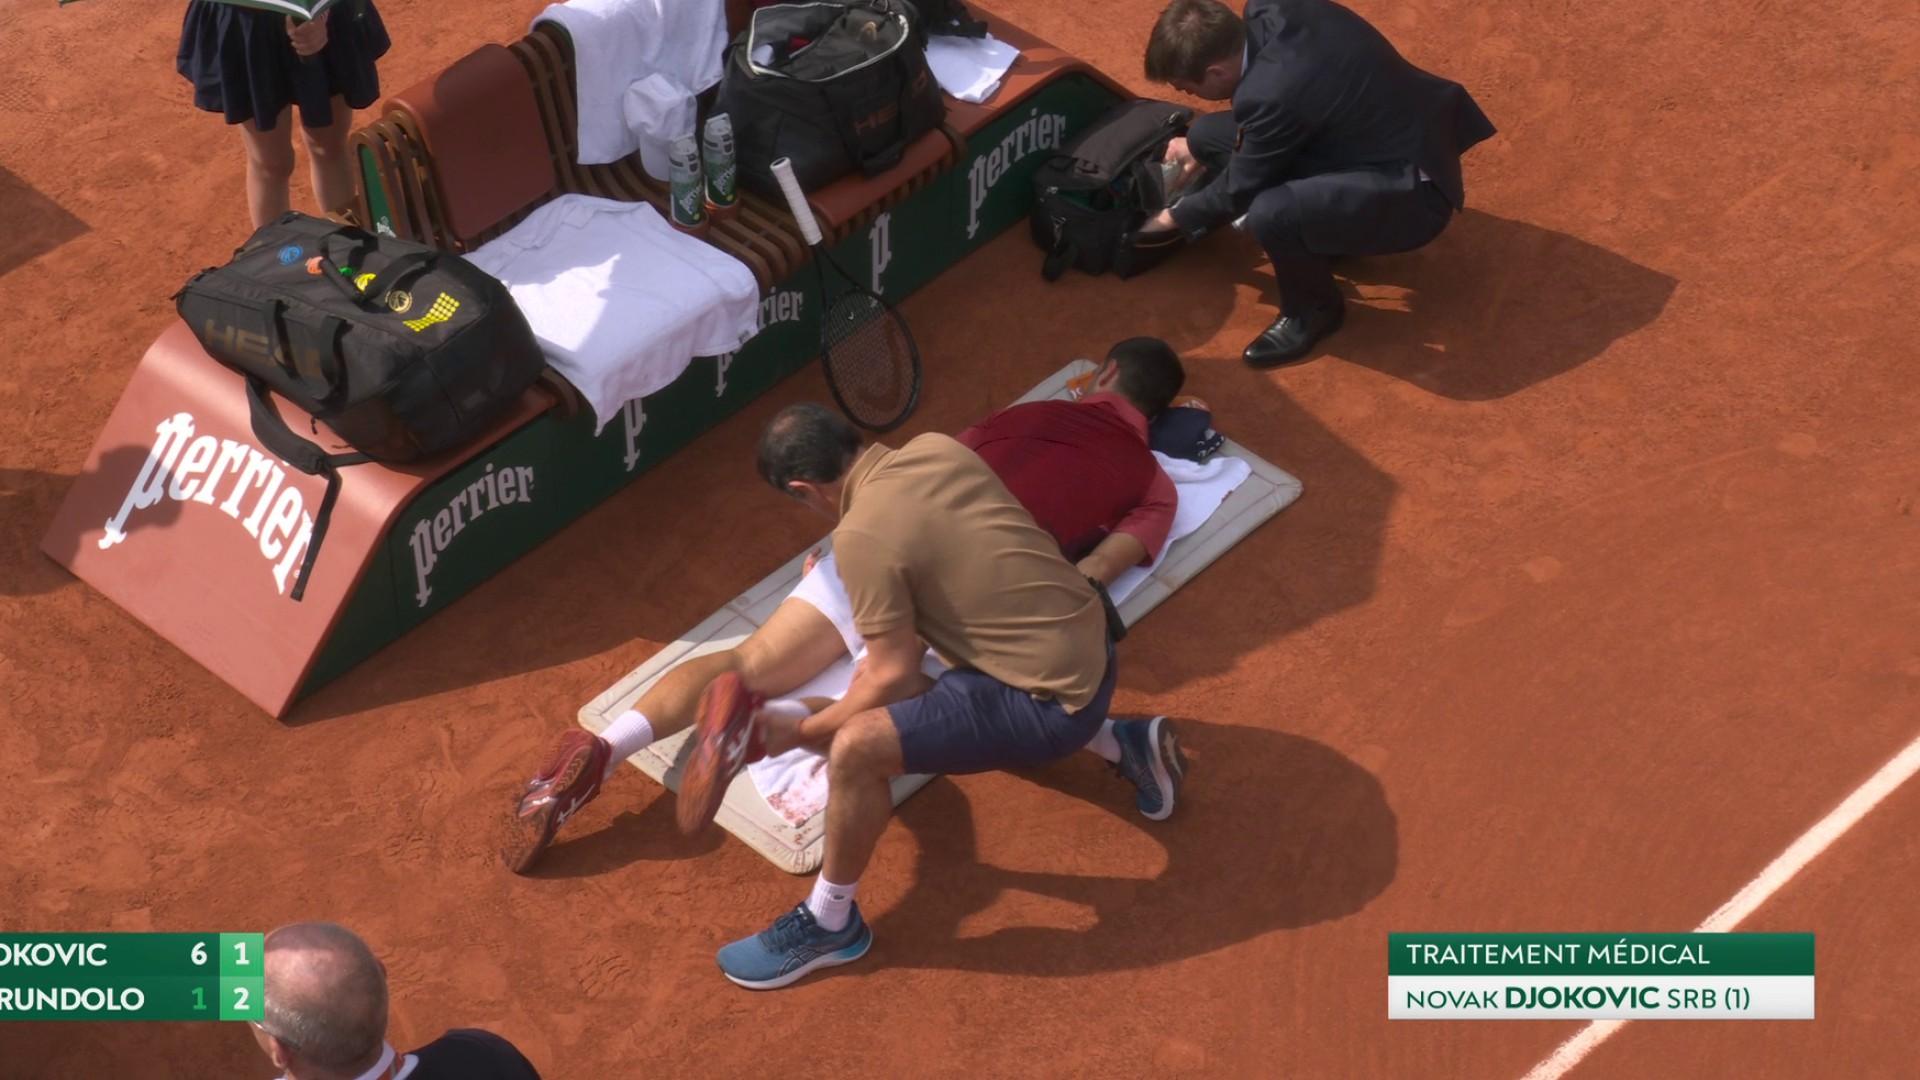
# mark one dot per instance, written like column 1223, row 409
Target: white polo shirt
column 391, row 1066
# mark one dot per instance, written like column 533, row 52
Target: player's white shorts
column 821, row 587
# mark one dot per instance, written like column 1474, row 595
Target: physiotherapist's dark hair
column 806, row 442
column 1189, row 35
column 1150, row 373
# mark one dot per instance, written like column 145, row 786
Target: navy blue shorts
column 971, row 722
column 242, row 65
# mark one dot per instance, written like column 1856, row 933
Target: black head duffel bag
column 1091, row 198
column 835, row 87
column 402, row 349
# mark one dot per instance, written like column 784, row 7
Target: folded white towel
column 620, row 301
column 795, row 783
column 970, row 68
column 617, row 42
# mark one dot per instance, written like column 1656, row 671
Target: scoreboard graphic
column 122, row 977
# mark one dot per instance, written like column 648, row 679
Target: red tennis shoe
column 724, row 739
column 569, row 780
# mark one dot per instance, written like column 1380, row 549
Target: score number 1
column 235, row 982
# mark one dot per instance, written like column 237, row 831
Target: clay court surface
column 1605, row 586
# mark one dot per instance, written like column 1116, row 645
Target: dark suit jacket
column 1325, row 92
column 471, row 1054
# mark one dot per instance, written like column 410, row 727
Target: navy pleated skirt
column 242, row 66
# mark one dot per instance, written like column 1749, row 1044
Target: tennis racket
column 872, row 364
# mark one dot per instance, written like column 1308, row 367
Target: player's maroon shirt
column 1081, row 468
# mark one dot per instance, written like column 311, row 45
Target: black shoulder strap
column 1116, row 626
column 308, row 457
column 1059, row 258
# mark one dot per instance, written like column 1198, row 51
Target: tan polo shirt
column 930, row 537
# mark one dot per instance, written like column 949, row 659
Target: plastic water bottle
column 687, row 188
column 1169, row 175
column 723, row 195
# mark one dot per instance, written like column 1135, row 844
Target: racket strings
column 869, row 358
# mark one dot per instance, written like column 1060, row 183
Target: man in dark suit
column 324, row 1017
column 1335, row 146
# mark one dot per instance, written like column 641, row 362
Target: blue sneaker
column 793, row 946
column 1150, row 757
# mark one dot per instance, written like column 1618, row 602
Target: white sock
column 630, row 734
column 832, row 905
column 1103, row 742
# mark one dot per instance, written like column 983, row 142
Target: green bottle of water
column 688, row 188
column 716, row 152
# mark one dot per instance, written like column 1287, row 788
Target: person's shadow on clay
column 1272, row 832
column 649, row 834
column 28, row 501
column 1490, row 308
column 36, row 224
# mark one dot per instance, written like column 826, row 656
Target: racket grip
column 796, row 200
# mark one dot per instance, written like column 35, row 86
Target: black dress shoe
column 1292, row 337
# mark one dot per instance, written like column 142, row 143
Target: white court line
column 1747, row 900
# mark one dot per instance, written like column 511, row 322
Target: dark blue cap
column 1185, row 432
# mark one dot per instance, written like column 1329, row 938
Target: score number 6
column 199, row 954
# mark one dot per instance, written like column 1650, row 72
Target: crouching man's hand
column 1157, row 226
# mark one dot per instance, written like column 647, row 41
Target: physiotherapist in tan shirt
column 933, row 552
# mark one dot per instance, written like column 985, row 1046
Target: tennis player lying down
column 1082, row 469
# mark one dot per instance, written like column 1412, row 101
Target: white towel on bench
column 620, row 301
column 795, row 783
column 618, row 42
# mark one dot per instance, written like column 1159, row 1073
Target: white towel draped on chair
column 673, row 46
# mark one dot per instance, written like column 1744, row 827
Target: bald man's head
column 326, row 999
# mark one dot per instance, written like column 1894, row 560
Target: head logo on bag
column 399, row 301
column 290, row 254
column 443, row 308
column 877, row 119
column 234, row 341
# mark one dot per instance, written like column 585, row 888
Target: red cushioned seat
column 479, row 121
